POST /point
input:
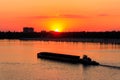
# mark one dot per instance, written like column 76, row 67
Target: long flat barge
column 67, row 58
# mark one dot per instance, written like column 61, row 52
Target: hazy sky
column 67, row 15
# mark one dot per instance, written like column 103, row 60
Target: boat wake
column 116, row 67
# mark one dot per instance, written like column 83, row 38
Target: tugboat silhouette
column 67, row 58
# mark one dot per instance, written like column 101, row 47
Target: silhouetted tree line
column 20, row 35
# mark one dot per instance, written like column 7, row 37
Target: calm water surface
column 18, row 61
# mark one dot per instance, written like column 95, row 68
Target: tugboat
column 87, row 61
column 67, row 58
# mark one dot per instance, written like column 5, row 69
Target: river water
column 18, row 61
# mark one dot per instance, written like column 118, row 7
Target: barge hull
column 59, row 57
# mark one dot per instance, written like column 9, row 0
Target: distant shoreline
column 93, row 40
column 94, row 37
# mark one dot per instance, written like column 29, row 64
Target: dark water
column 18, row 61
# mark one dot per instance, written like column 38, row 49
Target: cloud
column 59, row 16
column 103, row 15
column 44, row 17
column 72, row 16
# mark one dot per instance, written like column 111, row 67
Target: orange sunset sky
column 64, row 15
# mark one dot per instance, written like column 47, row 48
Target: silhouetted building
column 28, row 29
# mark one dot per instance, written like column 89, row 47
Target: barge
column 67, row 58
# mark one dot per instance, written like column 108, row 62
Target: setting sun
column 56, row 26
column 56, row 30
